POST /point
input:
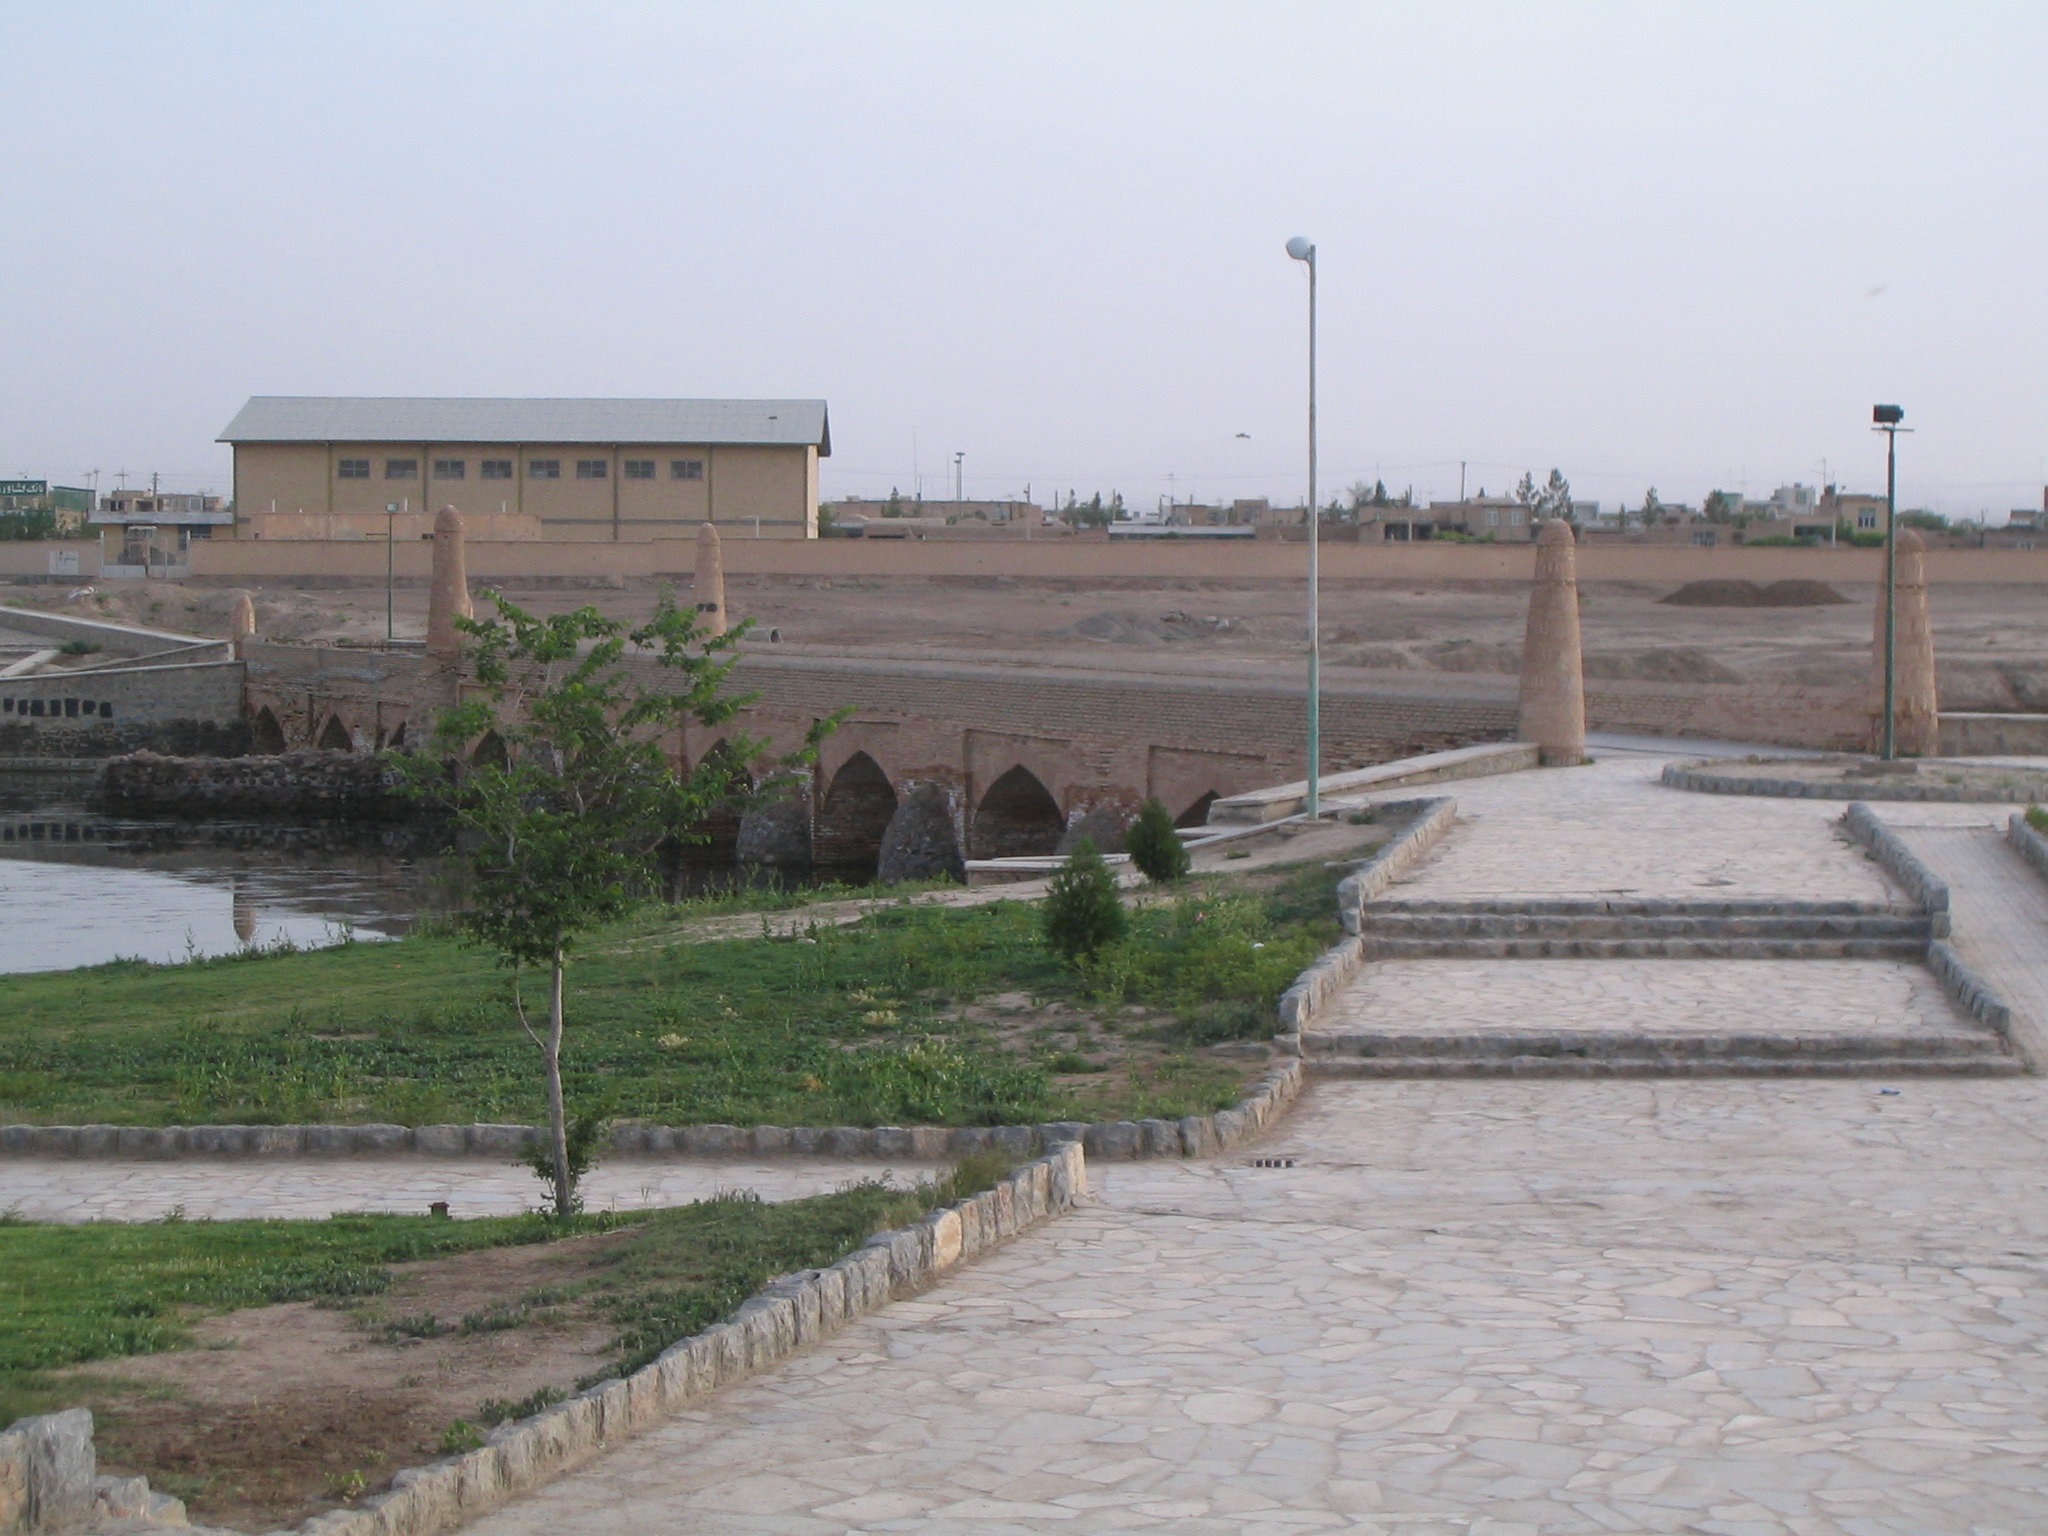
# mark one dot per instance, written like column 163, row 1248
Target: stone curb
column 1690, row 776
column 1863, row 825
column 2031, row 845
column 1392, row 862
column 50, row 1481
column 1969, row 991
column 1190, row 1136
column 785, row 1316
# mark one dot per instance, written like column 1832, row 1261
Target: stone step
column 1604, row 906
column 1536, row 1043
column 1660, row 1065
column 1382, row 946
column 1519, row 925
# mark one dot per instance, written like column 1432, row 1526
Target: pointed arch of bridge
column 265, row 734
column 334, row 736
column 720, row 828
column 1017, row 818
column 489, row 752
column 853, row 813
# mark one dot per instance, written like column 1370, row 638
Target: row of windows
column 501, row 469
column 69, row 709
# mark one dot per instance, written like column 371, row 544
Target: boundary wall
column 1080, row 560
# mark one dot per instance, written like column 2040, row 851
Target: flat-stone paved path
column 1612, row 829
column 1495, row 1308
column 1648, row 997
column 80, row 1189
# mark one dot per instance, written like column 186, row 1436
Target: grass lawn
column 916, row 1015
column 625, row 1287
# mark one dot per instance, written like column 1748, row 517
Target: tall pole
column 1891, row 591
column 390, row 567
column 1303, row 251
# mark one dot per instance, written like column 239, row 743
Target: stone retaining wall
column 1189, row 1136
column 308, row 782
column 1865, row 827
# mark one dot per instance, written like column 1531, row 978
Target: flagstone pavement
column 1499, row 1307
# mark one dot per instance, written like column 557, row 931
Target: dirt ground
column 1992, row 642
column 278, row 1412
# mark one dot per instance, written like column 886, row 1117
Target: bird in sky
column 1246, row 436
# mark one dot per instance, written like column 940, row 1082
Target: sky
column 1652, row 245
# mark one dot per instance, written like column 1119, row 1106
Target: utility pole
column 960, row 475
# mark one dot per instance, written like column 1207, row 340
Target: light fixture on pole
column 1888, row 418
column 1303, row 250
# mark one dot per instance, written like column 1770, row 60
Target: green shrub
column 1154, row 844
column 2037, row 818
column 1082, row 912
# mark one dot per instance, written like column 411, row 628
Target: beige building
column 612, row 470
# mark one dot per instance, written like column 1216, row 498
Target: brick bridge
column 937, row 760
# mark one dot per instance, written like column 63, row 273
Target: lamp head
column 1887, row 415
column 1301, row 248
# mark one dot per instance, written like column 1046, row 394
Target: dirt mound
column 1722, row 593
column 1799, row 594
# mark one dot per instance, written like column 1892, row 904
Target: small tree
column 1154, row 844
column 566, row 820
column 1082, row 911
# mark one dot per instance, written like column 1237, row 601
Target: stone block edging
column 1190, row 1136
column 50, row 1481
column 1389, row 864
column 2031, row 845
column 785, row 1316
column 1864, row 826
column 1967, row 990
column 1707, row 781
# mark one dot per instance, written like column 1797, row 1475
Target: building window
column 401, row 469
column 591, row 469
column 686, row 469
column 1492, row 518
column 1867, row 520
column 497, row 469
column 639, row 469
column 543, row 469
column 450, row 469
column 344, row 469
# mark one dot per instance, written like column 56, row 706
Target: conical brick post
column 1553, row 705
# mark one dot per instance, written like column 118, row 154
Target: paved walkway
column 1507, row 1308
column 1655, row 997
column 1612, row 829
column 78, row 1189
column 1998, row 904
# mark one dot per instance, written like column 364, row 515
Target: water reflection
column 78, row 888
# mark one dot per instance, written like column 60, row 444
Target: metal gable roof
column 341, row 419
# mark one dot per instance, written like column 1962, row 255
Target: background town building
column 613, row 470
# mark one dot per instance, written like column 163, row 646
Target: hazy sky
column 1651, row 244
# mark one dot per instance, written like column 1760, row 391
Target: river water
column 79, row 888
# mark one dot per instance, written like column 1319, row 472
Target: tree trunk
column 558, row 1116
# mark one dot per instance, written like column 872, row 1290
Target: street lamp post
column 390, row 568
column 1303, row 250
column 1887, row 419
